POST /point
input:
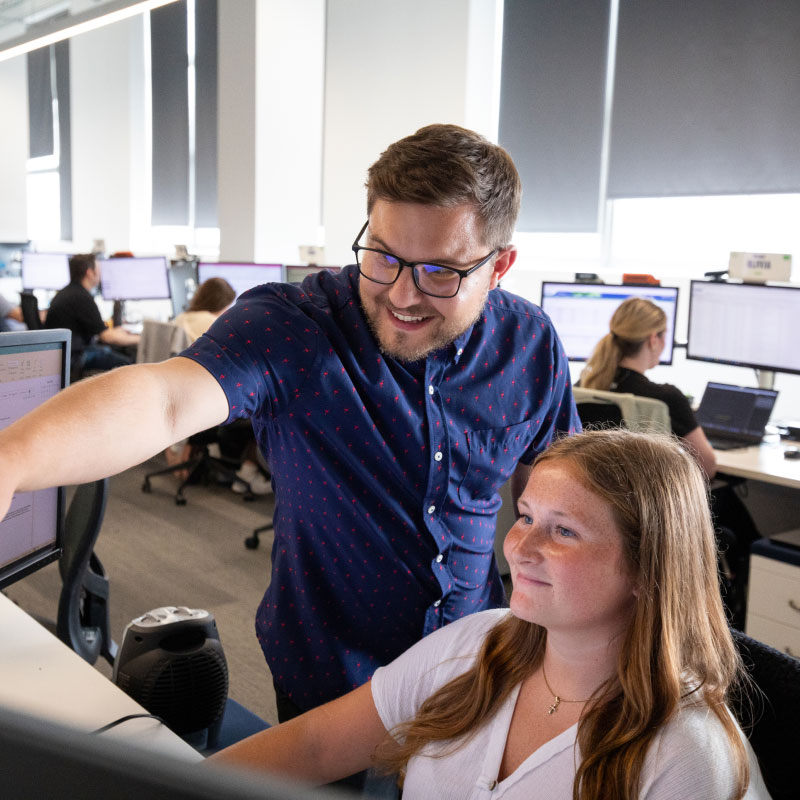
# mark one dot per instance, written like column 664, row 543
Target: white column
column 392, row 68
column 271, row 90
column 14, row 149
column 110, row 183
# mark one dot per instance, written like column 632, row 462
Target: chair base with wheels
column 200, row 467
column 252, row 542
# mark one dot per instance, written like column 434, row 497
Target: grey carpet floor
column 158, row 554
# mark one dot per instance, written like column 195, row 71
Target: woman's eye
column 565, row 532
column 526, row 519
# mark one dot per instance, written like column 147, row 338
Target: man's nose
column 404, row 292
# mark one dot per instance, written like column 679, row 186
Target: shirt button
column 430, row 390
column 492, row 786
column 437, row 456
column 437, row 603
column 439, row 558
column 431, row 509
column 460, row 351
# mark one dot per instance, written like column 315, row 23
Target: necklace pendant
column 556, row 704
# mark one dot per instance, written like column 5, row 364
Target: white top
column 195, row 323
column 688, row 758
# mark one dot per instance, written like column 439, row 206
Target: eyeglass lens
column 432, row 279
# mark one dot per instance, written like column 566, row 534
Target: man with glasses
column 391, row 400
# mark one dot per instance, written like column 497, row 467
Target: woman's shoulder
column 692, row 757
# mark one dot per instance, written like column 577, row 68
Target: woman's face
column 566, row 557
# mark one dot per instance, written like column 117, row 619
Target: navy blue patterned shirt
column 386, row 474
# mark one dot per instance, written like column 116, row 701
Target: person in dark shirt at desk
column 74, row 308
column 633, row 345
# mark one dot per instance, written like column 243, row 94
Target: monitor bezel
column 25, row 565
column 103, row 261
column 663, row 362
column 729, row 362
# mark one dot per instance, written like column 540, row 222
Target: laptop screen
column 736, row 411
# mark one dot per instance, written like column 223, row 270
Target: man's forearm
column 104, row 425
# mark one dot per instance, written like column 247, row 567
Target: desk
column 43, row 677
column 764, row 462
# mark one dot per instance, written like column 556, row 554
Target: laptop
column 735, row 416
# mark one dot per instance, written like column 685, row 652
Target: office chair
column 83, row 618
column 770, row 721
column 160, row 341
column 643, row 414
column 201, row 467
column 30, row 311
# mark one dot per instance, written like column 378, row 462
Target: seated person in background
column 10, row 316
column 210, row 299
column 633, row 345
column 615, row 604
column 237, row 440
column 74, row 308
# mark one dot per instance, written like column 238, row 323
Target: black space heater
column 171, row 662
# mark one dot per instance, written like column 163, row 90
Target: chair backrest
column 771, row 721
column 160, row 341
column 643, row 414
column 29, row 306
column 83, row 618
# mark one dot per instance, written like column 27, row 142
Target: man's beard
column 402, row 347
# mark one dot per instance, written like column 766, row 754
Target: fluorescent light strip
column 81, row 23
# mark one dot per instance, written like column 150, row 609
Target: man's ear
column 502, row 263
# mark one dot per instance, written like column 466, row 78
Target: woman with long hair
column 620, row 359
column 608, row 677
column 210, row 299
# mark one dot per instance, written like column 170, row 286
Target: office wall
column 13, row 150
column 390, row 69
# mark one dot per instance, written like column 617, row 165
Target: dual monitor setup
column 741, row 324
column 152, row 278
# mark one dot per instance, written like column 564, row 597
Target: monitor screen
column 241, row 276
column 45, row 270
column 744, row 324
column 298, row 274
column 581, row 312
column 34, row 366
column 141, row 278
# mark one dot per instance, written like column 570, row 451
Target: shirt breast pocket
column 492, row 456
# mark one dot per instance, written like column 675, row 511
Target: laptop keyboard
column 728, row 444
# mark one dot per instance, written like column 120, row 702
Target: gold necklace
column 557, row 701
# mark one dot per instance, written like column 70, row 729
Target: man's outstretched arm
column 104, row 425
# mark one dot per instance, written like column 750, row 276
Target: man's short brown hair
column 79, row 265
column 445, row 165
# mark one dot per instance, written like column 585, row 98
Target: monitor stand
column 765, row 378
column 117, row 315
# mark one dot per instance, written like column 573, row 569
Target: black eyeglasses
column 435, row 280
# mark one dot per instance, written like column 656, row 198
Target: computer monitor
column 44, row 759
column 45, row 270
column 744, row 324
column 241, row 275
column 34, row 366
column 297, row 274
column 139, row 278
column 581, row 312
